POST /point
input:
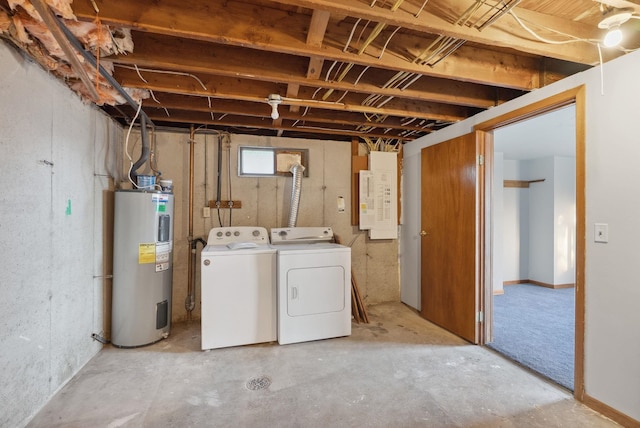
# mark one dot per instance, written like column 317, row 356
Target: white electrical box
column 379, row 195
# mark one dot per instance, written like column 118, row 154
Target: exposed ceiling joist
column 343, row 68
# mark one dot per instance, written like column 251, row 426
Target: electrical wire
column 361, row 74
column 140, row 75
column 601, row 70
column 384, row 48
column 572, row 39
column 126, row 146
column 151, row 70
column 346, row 46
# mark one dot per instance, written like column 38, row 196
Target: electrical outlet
column 601, row 232
column 206, row 212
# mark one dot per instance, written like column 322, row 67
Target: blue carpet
column 535, row 326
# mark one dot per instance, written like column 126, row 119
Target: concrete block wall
column 56, row 156
column 265, row 202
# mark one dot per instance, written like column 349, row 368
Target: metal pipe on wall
column 190, row 301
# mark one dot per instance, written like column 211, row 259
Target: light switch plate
column 601, row 232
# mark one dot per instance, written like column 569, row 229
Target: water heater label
column 162, row 252
column 146, row 253
column 161, row 202
column 162, row 266
column 160, row 198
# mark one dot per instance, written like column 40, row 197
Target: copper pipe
column 192, row 134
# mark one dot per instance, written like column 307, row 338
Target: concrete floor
column 399, row 370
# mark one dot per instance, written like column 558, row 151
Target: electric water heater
column 142, row 267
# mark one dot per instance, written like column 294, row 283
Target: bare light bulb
column 274, row 100
column 274, row 110
column 612, row 22
column 613, row 37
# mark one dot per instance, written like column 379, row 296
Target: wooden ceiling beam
column 158, row 116
column 438, row 17
column 317, row 28
column 240, row 108
column 255, row 91
column 278, row 31
column 217, row 21
column 164, row 53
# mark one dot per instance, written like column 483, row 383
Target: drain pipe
column 190, row 301
column 296, row 170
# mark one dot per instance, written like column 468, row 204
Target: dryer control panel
column 301, row 235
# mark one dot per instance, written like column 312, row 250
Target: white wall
column 515, row 215
column 409, row 234
column 541, row 220
column 564, row 220
column 612, row 366
column 538, row 223
column 55, row 158
column 515, row 226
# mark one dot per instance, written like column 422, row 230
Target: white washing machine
column 238, row 288
column 314, row 284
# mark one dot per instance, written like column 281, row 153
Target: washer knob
column 256, row 233
column 219, row 234
column 236, row 233
column 228, row 234
column 283, row 233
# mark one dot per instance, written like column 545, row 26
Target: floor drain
column 258, row 383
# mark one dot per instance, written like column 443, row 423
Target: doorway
column 574, row 97
column 534, row 243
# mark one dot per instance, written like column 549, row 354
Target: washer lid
column 237, row 250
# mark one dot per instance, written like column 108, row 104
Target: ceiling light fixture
column 274, row 100
column 612, row 23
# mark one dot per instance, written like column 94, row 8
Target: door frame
column 576, row 96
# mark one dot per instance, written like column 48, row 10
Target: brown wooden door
column 452, row 233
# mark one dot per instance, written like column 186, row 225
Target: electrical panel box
column 378, row 196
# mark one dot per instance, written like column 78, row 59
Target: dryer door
column 315, row 290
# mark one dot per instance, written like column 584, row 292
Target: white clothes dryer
column 313, row 286
column 238, row 288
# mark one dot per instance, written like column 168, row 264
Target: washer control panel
column 236, row 234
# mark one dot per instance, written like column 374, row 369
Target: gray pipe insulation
column 144, row 152
column 297, row 171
